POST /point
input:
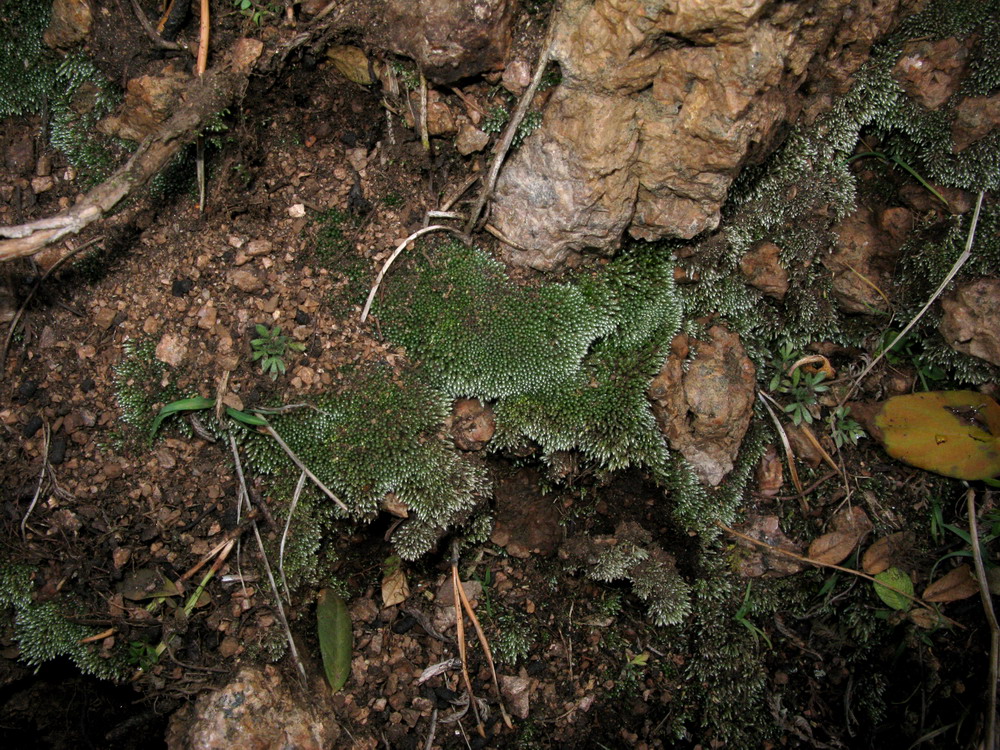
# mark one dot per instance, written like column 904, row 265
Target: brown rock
column 450, row 39
column 759, row 561
column 471, row 424
column 516, row 693
column 256, row 710
column 975, row 118
column 862, row 263
column 70, row 22
column 104, row 318
column 470, row 139
column 763, row 269
column 246, row 281
column 171, row 349
column 149, row 100
column 207, row 316
column 971, row 320
column 704, row 410
column 931, row 71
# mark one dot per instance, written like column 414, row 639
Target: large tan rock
column 662, row 102
column 704, row 409
column 861, row 263
column 255, row 711
column 971, row 321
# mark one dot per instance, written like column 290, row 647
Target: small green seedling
column 741, row 618
column 271, row 348
column 843, row 427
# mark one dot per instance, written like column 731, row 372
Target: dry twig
column 991, row 618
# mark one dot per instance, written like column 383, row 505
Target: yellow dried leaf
column 955, row 585
column 954, row 433
column 886, row 552
column 351, row 62
column 834, row 547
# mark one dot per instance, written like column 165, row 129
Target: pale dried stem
column 305, row 469
column 956, row 267
column 395, row 254
column 789, row 454
column 284, row 534
column 515, row 121
column 991, row 618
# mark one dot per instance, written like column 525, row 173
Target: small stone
column 112, row 469
column 105, row 318
column 57, row 450
column 42, row 184
column 25, row 391
column 246, row 281
column 150, row 325
column 32, row 427
column 229, row 646
column 259, row 247
column 471, row 139
column 181, row 287
column 516, row 77
column 207, row 317
column 516, row 693
column 171, row 350
column 86, row 351
column 297, row 211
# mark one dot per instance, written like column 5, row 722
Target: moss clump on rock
column 380, row 435
column 42, row 631
column 568, row 364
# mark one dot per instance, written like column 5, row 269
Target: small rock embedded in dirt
column 761, row 562
column 763, row 269
column 181, row 287
column 105, row 318
column 25, row 391
column 246, row 281
column 471, row 424
column 70, row 23
column 302, row 317
column 57, row 451
column 516, row 693
column 471, row 139
column 704, row 409
column 171, row 350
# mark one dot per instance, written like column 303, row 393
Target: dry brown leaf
column 955, row 585
column 834, row 547
column 395, row 588
column 852, row 521
column 925, row 618
column 886, row 552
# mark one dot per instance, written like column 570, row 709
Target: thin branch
column 789, row 455
column 41, row 479
column 544, row 57
column 157, row 40
column 956, row 267
column 991, row 618
column 284, row 535
column 245, row 496
column 305, row 469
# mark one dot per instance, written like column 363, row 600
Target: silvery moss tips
column 568, row 364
